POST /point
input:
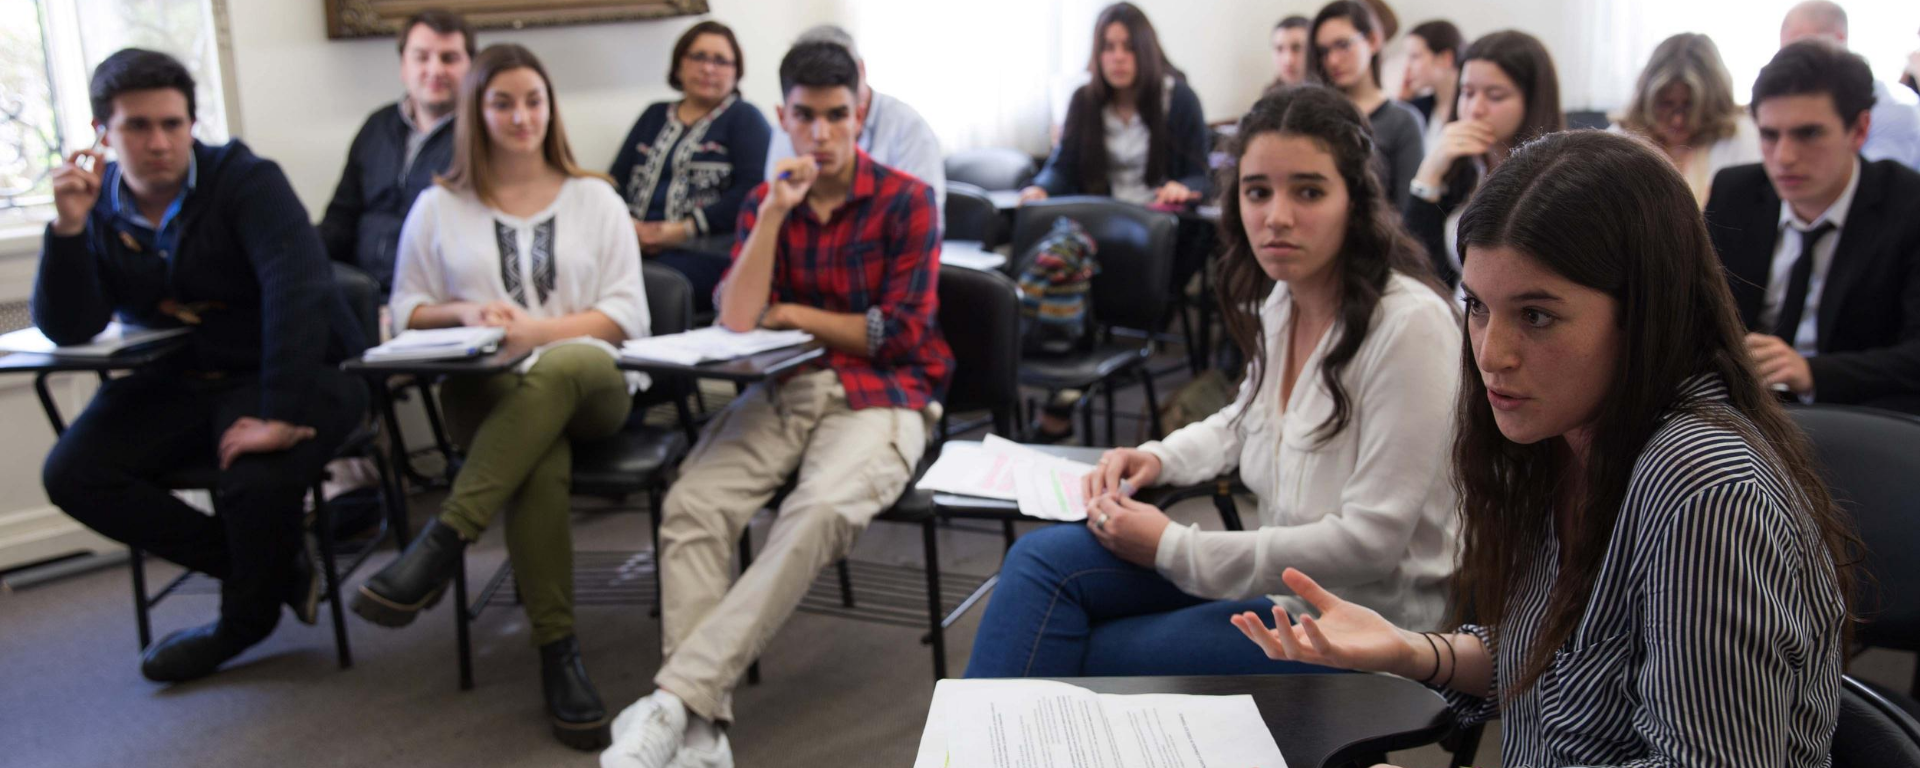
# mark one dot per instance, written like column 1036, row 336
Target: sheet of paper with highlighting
column 1046, row 486
column 1051, row 724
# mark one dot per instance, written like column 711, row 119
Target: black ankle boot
column 415, row 580
column 573, row 707
column 189, row 654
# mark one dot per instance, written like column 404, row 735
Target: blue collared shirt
column 158, row 238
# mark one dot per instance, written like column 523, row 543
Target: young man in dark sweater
column 401, row 147
column 211, row 237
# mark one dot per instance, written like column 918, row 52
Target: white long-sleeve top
column 1370, row 513
column 578, row 254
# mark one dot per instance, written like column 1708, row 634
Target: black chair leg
column 1195, row 355
column 846, row 583
column 1113, row 438
column 440, row 439
column 137, row 565
column 323, row 525
column 1153, row 404
column 460, row 621
column 654, row 497
column 1086, row 420
column 1464, row 744
column 394, row 498
column 1006, row 531
column 1229, row 514
column 935, row 611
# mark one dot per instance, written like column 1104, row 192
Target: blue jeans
column 1067, row 607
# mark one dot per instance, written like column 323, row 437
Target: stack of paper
column 970, row 254
column 1046, row 486
column 114, row 339
column 438, row 344
column 1050, row 724
column 709, row 344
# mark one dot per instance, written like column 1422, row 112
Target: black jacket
column 362, row 225
column 1869, row 324
column 247, row 255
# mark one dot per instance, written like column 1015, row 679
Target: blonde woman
column 1683, row 103
column 517, row 235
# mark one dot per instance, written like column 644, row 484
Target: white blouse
column 578, row 254
column 1370, row 513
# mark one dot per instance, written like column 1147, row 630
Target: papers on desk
column 115, row 338
column 970, row 254
column 1050, row 724
column 1046, row 486
column 438, row 344
column 710, row 344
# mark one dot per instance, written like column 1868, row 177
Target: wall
column 302, row 96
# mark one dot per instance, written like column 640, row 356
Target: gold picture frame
column 347, row 19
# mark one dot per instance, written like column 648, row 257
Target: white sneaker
column 720, row 755
column 647, row 734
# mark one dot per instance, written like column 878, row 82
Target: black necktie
column 1794, row 304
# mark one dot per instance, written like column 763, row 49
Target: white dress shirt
column 1369, row 513
column 1127, row 146
column 1786, row 250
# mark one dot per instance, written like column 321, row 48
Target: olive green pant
column 517, row 429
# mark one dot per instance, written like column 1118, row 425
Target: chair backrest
column 362, row 295
column 1135, row 254
column 1588, row 118
column 1870, row 460
column 1873, row 731
column 972, row 216
column 669, row 298
column 991, row 169
column 980, row 318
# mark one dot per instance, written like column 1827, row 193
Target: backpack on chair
column 1056, row 291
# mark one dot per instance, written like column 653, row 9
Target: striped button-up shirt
column 1713, row 634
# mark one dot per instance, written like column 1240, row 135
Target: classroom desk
column 970, row 254
column 44, row 366
column 1004, row 199
column 740, row 370
column 378, row 372
column 1317, row 720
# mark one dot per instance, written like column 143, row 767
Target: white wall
column 303, row 96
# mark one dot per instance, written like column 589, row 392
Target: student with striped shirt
column 1652, row 571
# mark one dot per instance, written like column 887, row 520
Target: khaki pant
column 852, row 465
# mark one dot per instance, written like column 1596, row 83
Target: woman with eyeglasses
column 1683, row 103
column 687, row 164
column 1344, row 52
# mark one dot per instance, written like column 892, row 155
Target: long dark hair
column 1524, row 60
column 472, row 165
column 1374, row 246
column 1360, row 15
column 1084, row 130
column 1607, row 212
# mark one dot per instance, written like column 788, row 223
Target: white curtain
column 1607, row 42
column 982, row 73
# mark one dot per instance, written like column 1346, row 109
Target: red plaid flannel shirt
column 880, row 249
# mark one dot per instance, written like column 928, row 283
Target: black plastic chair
column 1870, row 460
column 362, row 295
column 972, row 216
column 639, row 459
column 993, row 169
column 1135, row 253
column 1872, row 731
column 980, row 318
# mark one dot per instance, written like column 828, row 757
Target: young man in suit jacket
column 1822, row 248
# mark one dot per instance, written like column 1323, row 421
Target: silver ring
column 1102, row 522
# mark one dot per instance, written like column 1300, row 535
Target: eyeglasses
column 701, row 59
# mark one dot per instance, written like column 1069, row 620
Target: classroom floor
column 835, row 692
